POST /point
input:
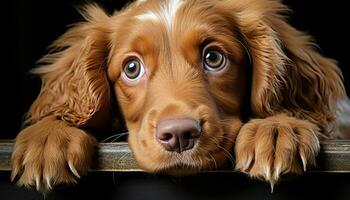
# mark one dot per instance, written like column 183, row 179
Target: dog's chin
column 179, row 170
column 186, row 170
column 183, row 169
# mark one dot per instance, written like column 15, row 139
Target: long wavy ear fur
column 289, row 74
column 74, row 82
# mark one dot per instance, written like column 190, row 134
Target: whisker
column 117, row 162
column 228, row 155
column 121, row 158
column 211, row 156
column 117, row 136
column 201, row 164
column 213, row 159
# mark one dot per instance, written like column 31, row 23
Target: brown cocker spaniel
column 185, row 74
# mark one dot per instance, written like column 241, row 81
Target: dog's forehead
column 164, row 12
column 173, row 19
column 169, row 12
column 171, row 28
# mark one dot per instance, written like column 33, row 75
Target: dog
column 194, row 81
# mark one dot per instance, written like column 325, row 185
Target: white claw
column 72, row 168
column 247, row 163
column 37, row 183
column 272, row 185
column 48, row 182
column 303, row 160
column 277, row 171
column 267, row 172
column 14, row 174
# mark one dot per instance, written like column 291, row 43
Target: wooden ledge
column 334, row 157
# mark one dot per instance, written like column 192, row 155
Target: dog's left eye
column 213, row 60
column 133, row 70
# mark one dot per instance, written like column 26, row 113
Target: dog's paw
column 49, row 153
column 268, row 148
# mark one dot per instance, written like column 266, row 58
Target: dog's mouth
column 200, row 158
column 187, row 162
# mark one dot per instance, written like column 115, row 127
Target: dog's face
column 178, row 71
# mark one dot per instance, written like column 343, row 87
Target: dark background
column 29, row 26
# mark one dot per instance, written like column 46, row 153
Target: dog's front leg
column 268, row 148
column 51, row 152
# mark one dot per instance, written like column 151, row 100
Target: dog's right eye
column 214, row 60
column 133, row 70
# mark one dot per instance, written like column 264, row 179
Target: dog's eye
column 133, row 69
column 214, row 60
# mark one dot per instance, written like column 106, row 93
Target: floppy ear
column 289, row 75
column 74, row 82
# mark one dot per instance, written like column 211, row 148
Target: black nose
column 178, row 134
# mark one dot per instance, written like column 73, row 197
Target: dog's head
column 177, row 68
column 180, row 71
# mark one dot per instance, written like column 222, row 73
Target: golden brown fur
column 294, row 90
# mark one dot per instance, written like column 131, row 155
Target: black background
column 29, row 26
